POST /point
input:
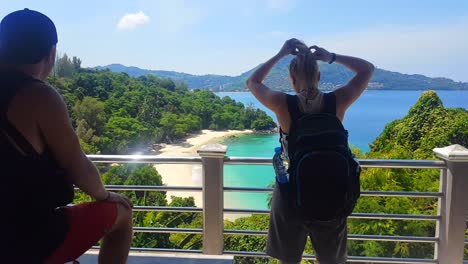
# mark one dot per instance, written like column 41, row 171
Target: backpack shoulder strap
column 329, row 99
column 293, row 107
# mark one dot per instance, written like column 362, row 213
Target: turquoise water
column 249, row 175
column 365, row 120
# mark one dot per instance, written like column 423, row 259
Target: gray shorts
column 287, row 235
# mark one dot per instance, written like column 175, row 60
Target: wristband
column 333, row 58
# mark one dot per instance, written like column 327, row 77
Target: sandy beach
column 187, row 174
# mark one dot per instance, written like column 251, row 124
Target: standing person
column 41, row 160
column 323, row 186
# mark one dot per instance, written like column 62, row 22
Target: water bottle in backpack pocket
column 281, row 165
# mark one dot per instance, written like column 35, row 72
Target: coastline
column 188, row 174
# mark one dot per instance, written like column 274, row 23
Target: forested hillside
column 332, row 76
column 114, row 113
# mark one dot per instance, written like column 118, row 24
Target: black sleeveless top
column 32, row 188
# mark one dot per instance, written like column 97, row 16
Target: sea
column 364, row 120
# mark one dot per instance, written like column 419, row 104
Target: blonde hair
column 304, row 69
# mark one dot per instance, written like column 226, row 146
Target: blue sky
column 229, row 37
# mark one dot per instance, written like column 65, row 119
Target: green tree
column 125, row 133
column 92, row 111
column 76, row 63
column 141, row 175
column 64, row 67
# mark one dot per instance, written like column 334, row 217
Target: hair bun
column 304, row 52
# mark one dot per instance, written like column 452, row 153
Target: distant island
column 333, row 76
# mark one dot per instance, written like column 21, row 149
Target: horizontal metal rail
column 262, row 190
column 350, row 236
column 144, row 159
column 153, row 188
column 264, row 233
column 160, row 159
column 167, row 250
column 350, row 259
column 247, row 161
column 365, row 163
column 354, row 215
column 167, row 209
column 161, row 250
column 167, row 230
column 363, row 193
column 402, row 164
column 403, row 194
column 410, row 239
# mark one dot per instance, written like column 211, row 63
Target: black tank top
column 32, row 188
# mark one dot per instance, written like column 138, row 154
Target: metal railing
column 452, row 204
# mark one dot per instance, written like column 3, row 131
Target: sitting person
column 42, row 160
column 326, row 227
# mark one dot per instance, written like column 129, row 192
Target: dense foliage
column 333, row 75
column 115, row 113
column 427, row 125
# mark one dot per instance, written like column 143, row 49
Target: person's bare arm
column 347, row 94
column 270, row 98
column 54, row 123
column 55, row 126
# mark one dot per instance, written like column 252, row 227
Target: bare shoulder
column 42, row 103
column 39, row 90
column 44, row 91
column 42, row 96
column 280, row 103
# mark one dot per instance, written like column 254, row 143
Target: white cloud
column 133, row 20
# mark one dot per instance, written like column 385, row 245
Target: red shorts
column 87, row 224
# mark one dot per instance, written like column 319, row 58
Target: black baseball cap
column 26, row 37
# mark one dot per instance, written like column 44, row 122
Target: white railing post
column 213, row 203
column 454, row 206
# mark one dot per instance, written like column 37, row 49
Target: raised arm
column 347, row 94
column 270, row 98
column 60, row 138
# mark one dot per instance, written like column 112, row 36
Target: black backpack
column 323, row 174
